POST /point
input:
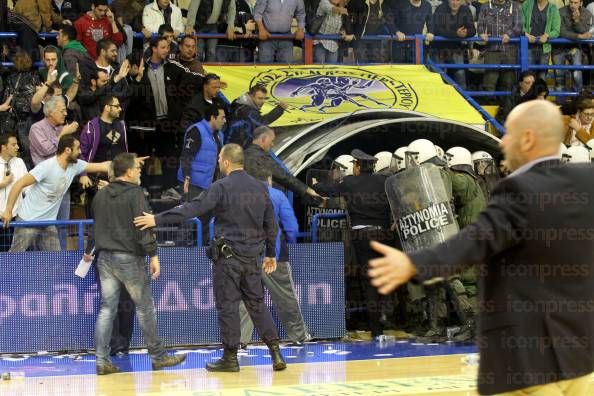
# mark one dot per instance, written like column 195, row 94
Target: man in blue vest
column 202, row 144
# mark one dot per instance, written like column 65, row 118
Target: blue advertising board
column 45, row 307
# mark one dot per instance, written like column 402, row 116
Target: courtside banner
column 315, row 93
column 45, row 307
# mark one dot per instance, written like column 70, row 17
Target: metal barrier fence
column 78, row 234
column 307, row 43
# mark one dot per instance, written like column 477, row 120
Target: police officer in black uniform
column 245, row 225
column 369, row 212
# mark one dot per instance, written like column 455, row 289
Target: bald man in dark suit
column 533, row 245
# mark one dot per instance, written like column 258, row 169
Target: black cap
column 362, row 156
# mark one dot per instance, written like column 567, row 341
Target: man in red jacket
column 97, row 24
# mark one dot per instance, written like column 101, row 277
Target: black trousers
column 234, row 281
column 375, row 303
column 5, row 239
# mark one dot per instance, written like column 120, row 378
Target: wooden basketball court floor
column 323, row 368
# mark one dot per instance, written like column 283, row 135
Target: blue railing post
column 198, row 231
column 81, row 235
column 524, row 53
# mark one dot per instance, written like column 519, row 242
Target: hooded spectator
column 52, row 58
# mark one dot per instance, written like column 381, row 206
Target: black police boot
column 278, row 363
column 228, row 363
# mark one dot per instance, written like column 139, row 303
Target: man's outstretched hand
column 145, row 221
column 392, row 270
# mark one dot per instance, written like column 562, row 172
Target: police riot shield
column 324, row 182
column 421, row 206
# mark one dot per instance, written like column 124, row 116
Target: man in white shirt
column 12, row 168
column 49, row 181
column 159, row 12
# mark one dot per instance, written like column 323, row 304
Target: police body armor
column 420, row 201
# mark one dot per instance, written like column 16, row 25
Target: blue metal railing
column 523, row 64
column 490, row 119
column 80, row 224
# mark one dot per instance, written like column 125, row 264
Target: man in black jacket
column 165, row 86
column 258, row 154
column 247, row 115
column 160, row 96
column 208, row 96
column 122, row 250
column 520, row 92
column 369, row 211
column 533, row 247
column 100, row 86
column 408, row 18
column 369, row 18
column 454, row 20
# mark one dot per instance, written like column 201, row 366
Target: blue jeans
column 209, row 44
column 281, row 50
column 322, row 55
column 40, row 238
column 574, row 57
column 537, row 57
column 115, row 270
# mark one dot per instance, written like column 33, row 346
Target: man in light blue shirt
column 49, row 181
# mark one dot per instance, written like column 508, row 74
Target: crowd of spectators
column 247, row 26
column 352, row 19
column 114, row 93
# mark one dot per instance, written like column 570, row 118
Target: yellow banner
column 315, row 93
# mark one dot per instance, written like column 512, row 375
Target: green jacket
column 469, row 198
column 64, row 78
column 553, row 26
